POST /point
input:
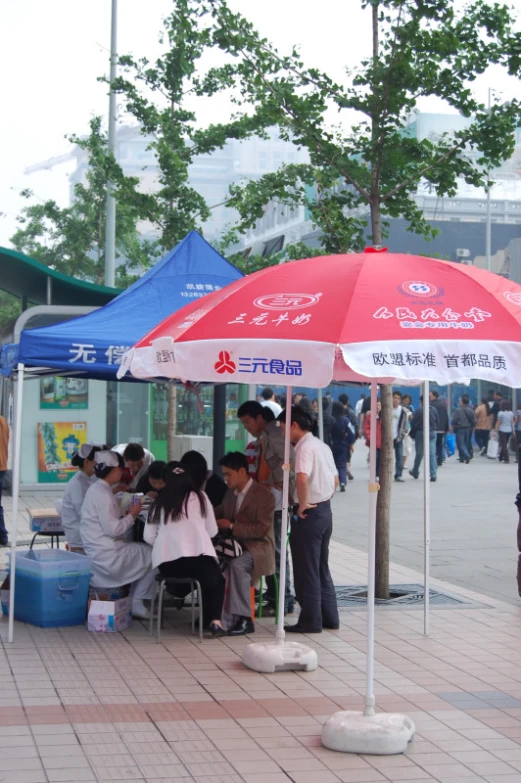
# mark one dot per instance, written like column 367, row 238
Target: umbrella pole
column 16, row 490
column 371, row 556
column 426, row 507
column 284, row 522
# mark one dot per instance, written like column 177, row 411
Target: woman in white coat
column 116, row 559
column 83, row 479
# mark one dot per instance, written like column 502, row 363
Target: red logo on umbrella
column 225, row 363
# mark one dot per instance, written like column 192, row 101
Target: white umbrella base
column 279, row 656
column 384, row 734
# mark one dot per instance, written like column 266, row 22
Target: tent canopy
column 22, row 276
column 93, row 344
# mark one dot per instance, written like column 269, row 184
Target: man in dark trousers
column 463, row 423
column 417, row 436
column 443, row 425
column 316, row 481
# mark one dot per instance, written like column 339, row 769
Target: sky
column 53, row 51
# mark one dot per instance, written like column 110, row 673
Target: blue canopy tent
column 92, row 345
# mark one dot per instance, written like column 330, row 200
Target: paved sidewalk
column 76, row 706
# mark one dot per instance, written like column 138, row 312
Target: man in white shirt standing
column 316, row 481
column 269, row 401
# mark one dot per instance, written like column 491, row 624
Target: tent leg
column 320, row 415
column 371, row 556
column 16, row 490
column 426, row 507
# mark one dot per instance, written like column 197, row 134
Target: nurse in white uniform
column 116, row 559
column 83, row 459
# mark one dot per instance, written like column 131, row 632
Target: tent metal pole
column 16, row 491
column 371, row 555
column 426, row 506
column 284, row 522
column 320, row 415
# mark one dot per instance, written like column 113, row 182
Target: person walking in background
column 358, row 406
column 443, row 425
column 484, row 423
column 419, row 442
column 327, row 421
column 400, row 432
column 504, row 428
column 367, row 433
column 269, row 401
column 4, row 445
column 463, row 423
column 407, row 441
column 352, row 418
column 343, row 436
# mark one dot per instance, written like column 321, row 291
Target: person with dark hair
column 367, row 433
column 316, row 481
column 343, row 436
column 137, row 462
column 153, row 481
column 504, row 429
column 400, row 432
column 307, row 406
column 75, row 492
column 246, row 514
column 270, row 473
column 269, row 401
column 328, row 421
column 419, row 440
column 204, row 480
column 495, row 399
column 484, row 424
column 463, row 422
column 180, row 528
column 443, row 425
column 351, row 417
column 115, row 560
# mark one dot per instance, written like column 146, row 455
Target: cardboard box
column 109, row 616
column 46, row 520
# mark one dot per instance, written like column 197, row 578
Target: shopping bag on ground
column 493, row 446
column 450, row 443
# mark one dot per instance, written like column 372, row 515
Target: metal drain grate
column 402, row 596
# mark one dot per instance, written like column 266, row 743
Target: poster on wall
column 58, row 393
column 57, row 442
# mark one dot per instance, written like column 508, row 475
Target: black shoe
column 271, row 609
column 400, row 479
column 433, row 478
column 217, row 630
column 350, row 476
column 413, row 474
column 342, row 487
column 298, row 629
column 243, row 626
column 467, row 461
column 4, row 542
column 331, row 627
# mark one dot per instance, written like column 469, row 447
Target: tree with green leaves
column 72, row 239
column 367, row 167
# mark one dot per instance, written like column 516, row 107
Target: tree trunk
column 383, row 504
column 172, row 420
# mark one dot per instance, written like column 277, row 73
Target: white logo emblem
column 286, row 301
column 513, row 296
column 419, row 288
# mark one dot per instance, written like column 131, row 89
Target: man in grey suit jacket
column 246, row 513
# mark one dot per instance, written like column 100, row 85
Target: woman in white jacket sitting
column 180, row 527
column 83, row 479
column 107, row 536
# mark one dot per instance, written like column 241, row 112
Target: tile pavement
column 76, row 706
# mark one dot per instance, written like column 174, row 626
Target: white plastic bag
column 493, row 446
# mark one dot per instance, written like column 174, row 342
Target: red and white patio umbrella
column 368, row 316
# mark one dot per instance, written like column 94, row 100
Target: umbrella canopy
column 344, row 317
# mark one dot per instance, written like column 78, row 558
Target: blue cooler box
column 51, row 588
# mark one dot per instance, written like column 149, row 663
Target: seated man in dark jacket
column 417, row 436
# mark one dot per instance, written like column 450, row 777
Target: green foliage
column 72, row 239
column 420, row 48
column 156, row 95
column 10, row 308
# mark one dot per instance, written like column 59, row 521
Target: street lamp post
column 110, row 220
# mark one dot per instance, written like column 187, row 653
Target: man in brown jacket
column 4, row 441
column 246, row 513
